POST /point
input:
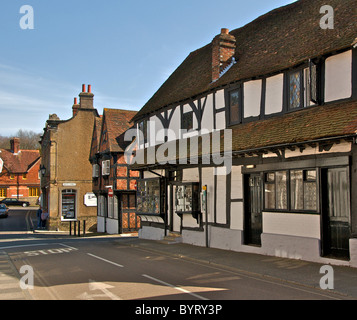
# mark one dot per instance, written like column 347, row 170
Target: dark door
column 336, row 212
column 128, row 220
column 253, row 216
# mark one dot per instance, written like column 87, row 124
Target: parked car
column 4, row 211
column 14, row 202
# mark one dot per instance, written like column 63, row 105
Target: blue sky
column 124, row 49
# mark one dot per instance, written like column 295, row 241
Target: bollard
column 84, row 228
column 79, row 228
column 75, row 228
column 70, row 228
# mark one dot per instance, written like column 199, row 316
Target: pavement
column 10, row 280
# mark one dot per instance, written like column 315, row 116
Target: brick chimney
column 75, row 106
column 86, row 98
column 223, row 50
column 15, row 145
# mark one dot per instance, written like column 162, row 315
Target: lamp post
column 43, row 170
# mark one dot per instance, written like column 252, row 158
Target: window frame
column 274, row 183
column 306, row 86
column 239, row 90
column 302, row 91
column 3, row 192
column 184, row 124
column 69, row 193
column 143, row 131
column 305, row 180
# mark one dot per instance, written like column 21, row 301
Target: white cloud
column 26, row 99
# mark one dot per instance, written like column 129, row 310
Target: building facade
column 113, row 183
column 19, row 173
column 250, row 145
column 66, row 179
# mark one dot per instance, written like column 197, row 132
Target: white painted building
column 279, row 95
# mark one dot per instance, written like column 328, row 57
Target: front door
column 128, row 220
column 336, row 213
column 253, row 215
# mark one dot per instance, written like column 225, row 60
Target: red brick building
column 113, row 183
column 19, row 173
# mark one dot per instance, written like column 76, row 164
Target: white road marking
column 175, row 287
column 100, row 286
column 64, row 245
column 113, row 263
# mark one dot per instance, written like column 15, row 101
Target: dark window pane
column 310, row 196
column 269, row 196
column 281, row 190
column 187, row 121
column 234, row 106
column 295, row 90
column 296, row 190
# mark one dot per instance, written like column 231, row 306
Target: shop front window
column 69, row 205
column 149, row 196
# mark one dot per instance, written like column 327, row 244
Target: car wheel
column 24, row 205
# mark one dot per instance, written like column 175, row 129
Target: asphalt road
column 113, row 268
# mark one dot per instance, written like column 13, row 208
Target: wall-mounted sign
column 1, row 164
column 69, row 184
column 90, row 199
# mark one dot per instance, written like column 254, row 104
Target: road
column 115, row 268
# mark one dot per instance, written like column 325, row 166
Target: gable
column 95, row 137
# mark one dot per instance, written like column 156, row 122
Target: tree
column 29, row 140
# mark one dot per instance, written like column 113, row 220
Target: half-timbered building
column 251, row 143
column 113, row 183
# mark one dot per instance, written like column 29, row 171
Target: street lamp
column 43, row 170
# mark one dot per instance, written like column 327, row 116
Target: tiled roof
column 278, row 40
column 21, row 162
column 314, row 123
column 117, row 122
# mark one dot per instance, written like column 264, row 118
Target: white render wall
column 338, row 76
column 252, row 98
column 300, row 225
column 207, row 117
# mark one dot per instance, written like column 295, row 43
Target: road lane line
column 174, row 287
column 115, row 264
column 69, row 247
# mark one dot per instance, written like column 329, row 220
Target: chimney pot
column 89, row 88
column 15, row 145
column 223, row 51
column 75, row 101
column 83, row 88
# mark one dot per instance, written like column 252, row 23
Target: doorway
column 253, row 209
column 336, row 212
